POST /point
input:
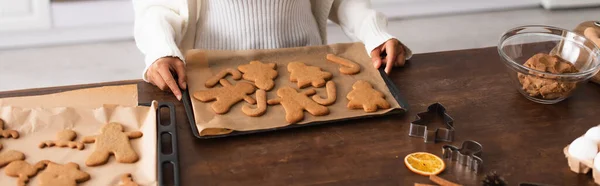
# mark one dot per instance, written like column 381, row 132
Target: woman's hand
column 160, row 74
column 395, row 55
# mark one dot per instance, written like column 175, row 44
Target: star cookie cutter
column 468, row 155
column 418, row 128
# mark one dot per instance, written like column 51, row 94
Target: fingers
column 375, row 56
column 160, row 75
column 158, row 81
column 166, row 75
column 401, row 60
column 390, row 49
column 388, row 67
column 180, row 70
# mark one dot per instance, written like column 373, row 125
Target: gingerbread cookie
column 23, row 170
column 364, row 96
column 112, row 141
column 10, row 156
column 347, row 67
column 127, row 180
column 226, row 96
column 211, row 82
column 7, row 133
column 261, row 105
column 306, row 75
column 64, row 175
column 295, row 104
column 64, row 139
column 331, row 95
column 261, row 74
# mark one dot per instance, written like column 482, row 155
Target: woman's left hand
column 395, row 55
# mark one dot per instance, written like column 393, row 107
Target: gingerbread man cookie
column 63, row 175
column 226, row 96
column 7, row 133
column 331, row 95
column 23, row 170
column 112, row 141
column 127, row 180
column 10, row 156
column 306, row 75
column 261, row 105
column 211, row 82
column 364, row 96
column 261, row 74
column 64, row 139
column 347, row 67
column 295, row 104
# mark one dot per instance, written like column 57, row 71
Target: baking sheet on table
column 202, row 65
column 41, row 123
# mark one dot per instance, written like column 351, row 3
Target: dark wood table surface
column 522, row 140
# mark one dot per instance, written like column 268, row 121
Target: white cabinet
column 18, row 8
column 416, row 8
column 24, row 15
column 557, row 4
column 30, row 23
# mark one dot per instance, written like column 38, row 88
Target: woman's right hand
column 160, row 73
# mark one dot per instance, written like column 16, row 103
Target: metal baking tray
column 171, row 129
column 390, row 84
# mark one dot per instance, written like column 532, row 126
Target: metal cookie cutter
column 418, row 128
column 468, row 155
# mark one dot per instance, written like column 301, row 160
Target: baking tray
column 171, row 129
column 187, row 103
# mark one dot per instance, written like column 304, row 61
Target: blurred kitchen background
column 61, row 42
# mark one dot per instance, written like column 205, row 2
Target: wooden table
column 522, row 140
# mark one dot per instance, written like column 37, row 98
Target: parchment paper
column 40, row 118
column 202, row 65
column 125, row 95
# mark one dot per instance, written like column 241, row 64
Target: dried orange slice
column 424, row 163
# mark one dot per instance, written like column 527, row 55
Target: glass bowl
column 563, row 61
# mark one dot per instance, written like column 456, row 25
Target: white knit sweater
column 171, row 27
column 256, row 24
